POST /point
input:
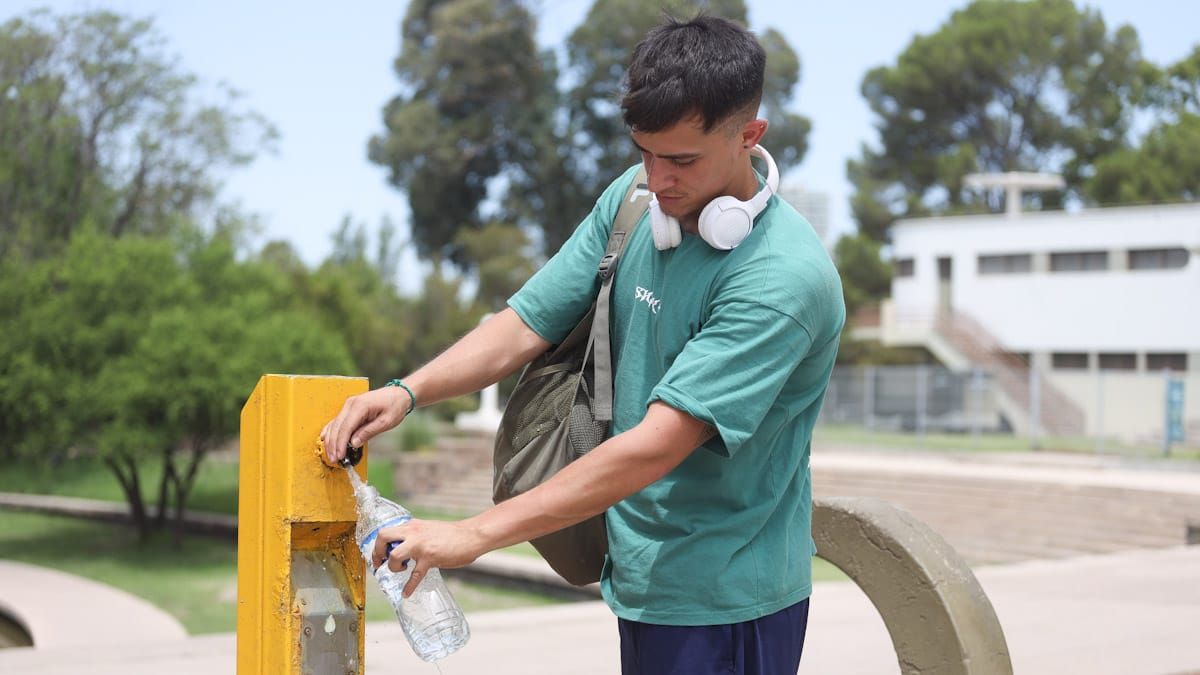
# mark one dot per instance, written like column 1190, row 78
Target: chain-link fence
column 1083, row 410
column 912, row 398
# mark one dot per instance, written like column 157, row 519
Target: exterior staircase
column 1057, row 414
column 453, row 480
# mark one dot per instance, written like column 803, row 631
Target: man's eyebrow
column 676, row 157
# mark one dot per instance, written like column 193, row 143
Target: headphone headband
column 759, row 201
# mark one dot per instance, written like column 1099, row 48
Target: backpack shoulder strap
column 633, row 206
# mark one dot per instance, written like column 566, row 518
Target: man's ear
column 753, row 131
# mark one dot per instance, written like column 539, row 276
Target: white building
column 1100, row 302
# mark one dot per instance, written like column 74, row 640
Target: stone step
column 1000, row 520
column 1044, row 518
column 1109, row 500
column 988, row 520
column 1146, row 515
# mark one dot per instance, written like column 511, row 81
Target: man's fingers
column 383, row 550
column 379, row 554
column 324, row 437
column 370, row 430
column 361, row 418
column 415, row 579
column 340, row 428
column 398, row 559
column 331, row 444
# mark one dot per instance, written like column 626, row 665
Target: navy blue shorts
column 770, row 645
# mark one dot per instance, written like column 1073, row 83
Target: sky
column 321, row 72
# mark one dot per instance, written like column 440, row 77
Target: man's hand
column 496, row 349
column 427, row 544
column 362, row 418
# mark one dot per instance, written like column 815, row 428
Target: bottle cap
column 353, row 456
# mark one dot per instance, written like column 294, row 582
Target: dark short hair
column 708, row 66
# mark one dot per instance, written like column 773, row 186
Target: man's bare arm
column 614, row 470
column 492, row 351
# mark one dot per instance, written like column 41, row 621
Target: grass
column 194, row 581
column 215, row 489
column 825, row 571
column 858, row 435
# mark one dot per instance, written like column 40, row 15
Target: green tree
column 353, row 292
column 1003, row 85
column 440, row 315
column 100, row 126
column 177, row 395
column 599, row 148
column 470, row 75
column 479, row 102
column 865, row 276
column 501, row 257
column 141, row 351
column 1165, row 166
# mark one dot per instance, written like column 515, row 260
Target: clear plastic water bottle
column 432, row 621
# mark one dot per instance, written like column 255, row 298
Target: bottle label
column 368, row 544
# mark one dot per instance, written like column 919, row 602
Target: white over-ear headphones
column 725, row 222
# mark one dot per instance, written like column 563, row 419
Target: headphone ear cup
column 665, row 229
column 725, row 223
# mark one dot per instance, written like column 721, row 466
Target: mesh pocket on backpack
column 583, row 429
column 556, row 392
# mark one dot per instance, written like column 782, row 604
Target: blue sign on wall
column 1174, row 411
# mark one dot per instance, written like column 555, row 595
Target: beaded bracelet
column 412, row 405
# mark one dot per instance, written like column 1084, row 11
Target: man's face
column 686, row 167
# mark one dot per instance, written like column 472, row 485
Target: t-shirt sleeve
column 732, row 371
column 557, row 297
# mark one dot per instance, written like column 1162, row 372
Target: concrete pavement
column 60, row 609
column 1131, row 613
column 1127, row 613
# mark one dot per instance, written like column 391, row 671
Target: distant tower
column 814, row 206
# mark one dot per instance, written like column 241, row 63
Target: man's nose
column 658, row 176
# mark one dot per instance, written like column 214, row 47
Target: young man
column 721, row 360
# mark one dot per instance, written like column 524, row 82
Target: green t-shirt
column 743, row 340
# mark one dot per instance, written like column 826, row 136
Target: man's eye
column 682, row 162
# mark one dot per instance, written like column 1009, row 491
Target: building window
column 1158, row 259
column 1079, row 261
column 1118, row 362
column 1069, row 360
column 905, row 267
column 1017, row 263
column 1176, row 362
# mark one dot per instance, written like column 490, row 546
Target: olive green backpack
column 561, row 409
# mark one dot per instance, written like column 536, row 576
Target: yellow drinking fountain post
column 300, row 575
